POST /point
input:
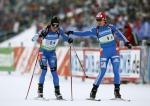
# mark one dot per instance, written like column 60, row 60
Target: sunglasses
column 99, row 20
column 56, row 25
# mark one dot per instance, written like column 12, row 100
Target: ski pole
column 80, row 63
column 71, row 75
column 32, row 76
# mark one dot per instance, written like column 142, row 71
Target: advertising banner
column 6, row 59
column 90, row 59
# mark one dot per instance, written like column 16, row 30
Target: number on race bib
column 50, row 43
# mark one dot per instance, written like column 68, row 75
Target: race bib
column 50, row 44
column 106, row 39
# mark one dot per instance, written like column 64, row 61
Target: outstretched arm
column 66, row 38
column 83, row 33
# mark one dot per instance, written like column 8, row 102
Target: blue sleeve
column 64, row 36
column 85, row 33
column 119, row 35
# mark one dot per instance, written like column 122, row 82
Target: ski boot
column 40, row 90
column 93, row 92
column 57, row 93
column 117, row 91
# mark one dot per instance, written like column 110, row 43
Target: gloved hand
column 43, row 34
column 128, row 45
column 70, row 40
column 69, row 32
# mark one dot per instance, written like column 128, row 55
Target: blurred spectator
column 129, row 35
column 74, row 14
column 145, row 28
column 137, row 27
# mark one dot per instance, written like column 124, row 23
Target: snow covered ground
column 13, row 89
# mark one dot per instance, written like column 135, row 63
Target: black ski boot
column 40, row 90
column 93, row 92
column 57, row 93
column 117, row 91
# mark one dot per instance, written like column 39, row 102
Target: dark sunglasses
column 56, row 25
column 99, row 20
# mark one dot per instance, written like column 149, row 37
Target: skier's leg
column 115, row 60
column 52, row 61
column 53, row 66
column 117, row 91
column 43, row 65
column 57, row 92
column 103, row 66
column 93, row 92
column 40, row 90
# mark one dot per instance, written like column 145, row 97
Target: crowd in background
column 132, row 17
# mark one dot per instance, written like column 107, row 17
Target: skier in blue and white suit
column 48, row 39
column 106, row 34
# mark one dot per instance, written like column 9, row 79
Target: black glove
column 70, row 40
column 43, row 34
column 128, row 45
column 69, row 32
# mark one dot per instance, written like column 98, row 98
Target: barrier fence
column 22, row 59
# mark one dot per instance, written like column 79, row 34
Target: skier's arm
column 65, row 37
column 120, row 36
column 83, row 33
column 36, row 36
column 41, row 34
column 118, row 33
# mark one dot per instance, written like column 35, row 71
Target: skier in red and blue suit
column 107, row 35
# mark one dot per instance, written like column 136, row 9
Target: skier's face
column 54, row 28
column 101, row 22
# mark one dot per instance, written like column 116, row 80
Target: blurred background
column 132, row 17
